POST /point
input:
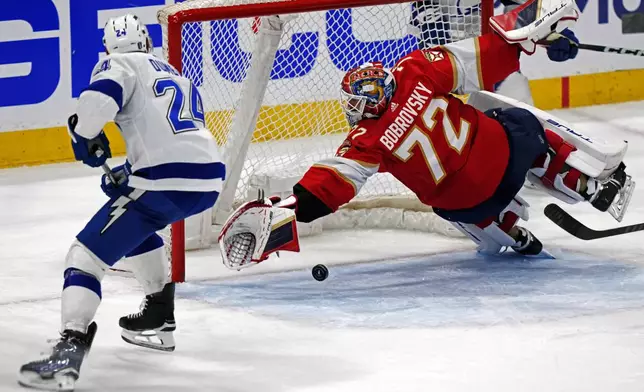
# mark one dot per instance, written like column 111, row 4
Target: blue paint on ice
column 432, row 291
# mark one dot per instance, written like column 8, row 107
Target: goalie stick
column 564, row 220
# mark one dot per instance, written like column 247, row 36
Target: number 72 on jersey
column 456, row 137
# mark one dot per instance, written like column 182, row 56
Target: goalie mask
column 126, row 34
column 366, row 91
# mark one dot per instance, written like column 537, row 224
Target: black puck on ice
column 320, row 272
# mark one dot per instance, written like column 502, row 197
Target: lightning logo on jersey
column 118, row 207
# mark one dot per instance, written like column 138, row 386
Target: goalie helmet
column 126, row 34
column 366, row 91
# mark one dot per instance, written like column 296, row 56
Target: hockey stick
column 108, row 172
column 632, row 23
column 611, row 49
column 603, row 48
column 564, row 220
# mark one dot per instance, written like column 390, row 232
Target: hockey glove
column 254, row 231
column 121, row 176
column 563, row 46
column 92, row 152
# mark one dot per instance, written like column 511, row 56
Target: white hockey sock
column 150, row 269
column 79, row 305
column 82, row 288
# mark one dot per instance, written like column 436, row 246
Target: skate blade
column 156, row 340
column 544, row 255
column 618, row 209
column 61, row 381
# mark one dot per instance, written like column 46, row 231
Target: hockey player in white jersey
column 173, row 170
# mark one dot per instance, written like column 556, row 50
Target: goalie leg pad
column 597, row 159
column 492, row 235
column 552, row 174
column 565, row 173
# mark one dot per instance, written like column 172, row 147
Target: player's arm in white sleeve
column 111, row 86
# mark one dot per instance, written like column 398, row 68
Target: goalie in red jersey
column 467, row 161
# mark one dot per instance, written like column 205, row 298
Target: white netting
column 292, row 88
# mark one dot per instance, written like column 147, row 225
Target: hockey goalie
column 467, row 161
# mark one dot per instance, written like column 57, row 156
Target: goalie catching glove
column 257, row 229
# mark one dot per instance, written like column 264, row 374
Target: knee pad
column 491, row 236
column 81, row 258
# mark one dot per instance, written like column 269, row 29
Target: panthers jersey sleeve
column 462, row 67
column 112, row 84
column 337, row 180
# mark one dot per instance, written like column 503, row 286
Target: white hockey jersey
column 161, row 117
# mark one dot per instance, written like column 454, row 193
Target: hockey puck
column 320, row 272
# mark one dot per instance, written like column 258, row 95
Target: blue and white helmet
column 126, row 34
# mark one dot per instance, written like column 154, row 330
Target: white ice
column 413, row 311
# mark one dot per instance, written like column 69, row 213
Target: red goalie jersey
column 449, row 154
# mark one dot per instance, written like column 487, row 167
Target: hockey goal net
column 269, row 74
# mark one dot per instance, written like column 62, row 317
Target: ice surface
column 401, row 311
column 451, row 289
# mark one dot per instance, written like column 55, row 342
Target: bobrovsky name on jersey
column 30, row 67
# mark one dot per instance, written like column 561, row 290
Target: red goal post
column 186, row 44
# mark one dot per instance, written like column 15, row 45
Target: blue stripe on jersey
column 109, row 88
column 192, row 171
column 76, row 277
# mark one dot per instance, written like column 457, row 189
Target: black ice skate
column 604, row 198
column 60, row 370
column 527, row 243
column 153, row 326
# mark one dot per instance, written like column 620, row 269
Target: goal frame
column 174, row 52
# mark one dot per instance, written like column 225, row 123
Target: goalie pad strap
column 510, row 218
column 562, row 151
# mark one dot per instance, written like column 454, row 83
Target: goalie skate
column 153, row 326
column 619, row 206
column 614, row 194
column 527, row 243
column 59, row 370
